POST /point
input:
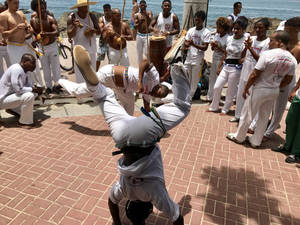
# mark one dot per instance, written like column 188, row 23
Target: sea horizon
column 253, row 9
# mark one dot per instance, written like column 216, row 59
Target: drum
column 157, row 50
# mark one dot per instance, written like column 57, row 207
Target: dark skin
column 238, row 32
column 214, row 44
column 143, row 19
column 188, row 43
column 166, row 11
column 261, row 32
column 294, row 45
column 50, row 28
column 116, row 31
column 257, row 73
column 74, row 24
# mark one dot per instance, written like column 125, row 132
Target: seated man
column 16, row 91
column 125, row 81
column 141, row 169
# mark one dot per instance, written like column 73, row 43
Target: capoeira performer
column 255, row 45
column 292, row 138
column 47, row 43
column 166, row 23
column 103, row 48
column 275, row 69
column 16, row 91
column 116, row 33
column 196, row 41
column 3, row 50
column 231, row 71
column 292, row 26
column 82, row 27
column 218, row 45
column 142, row 20
column 140, row 167
column 17, row 31
column 124, row 81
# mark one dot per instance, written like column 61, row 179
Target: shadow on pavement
column 243, row 197
column 86, row 130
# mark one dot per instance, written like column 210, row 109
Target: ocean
column 251, row 8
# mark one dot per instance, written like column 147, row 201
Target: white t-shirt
column 235, row 47
column 222, row 43
column 258, row 47
column 14, row 80
column 150, row 80
column 199, row 37
column 275, row 64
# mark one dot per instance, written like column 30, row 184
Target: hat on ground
column 81, row 3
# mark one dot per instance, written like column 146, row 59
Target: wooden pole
column 41, row 24
column 89, row 23
column 124, row 3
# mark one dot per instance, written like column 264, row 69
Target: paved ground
column 61, row 173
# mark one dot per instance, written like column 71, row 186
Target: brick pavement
column 61, row 173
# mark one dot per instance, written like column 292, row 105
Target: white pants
column 114, row 57
column 260, row 101
column 22, row 104
column 141, row 46
column 231, row 75
column 279, row 108
column 3, row 56
column 147, row 186
column 50, row 64
column 15, row 54
column 142, row 131
column 194, row 71
column 213, row 77
column 105, row 76
column 78, row 76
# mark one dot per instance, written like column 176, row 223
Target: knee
column 27, row 97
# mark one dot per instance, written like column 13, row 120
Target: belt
column 143, row 35
column 16, row 44
column 141, row 151
column 231, row 61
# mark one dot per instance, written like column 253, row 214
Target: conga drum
column 157, row 50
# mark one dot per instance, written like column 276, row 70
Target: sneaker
column 280, row 148
column 292, row 159
column 234, row 120
column 231, row 137
column 83, row 61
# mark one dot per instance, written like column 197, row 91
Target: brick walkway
column 61, row 173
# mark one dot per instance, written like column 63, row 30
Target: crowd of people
column 260, row 73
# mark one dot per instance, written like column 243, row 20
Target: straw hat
column 81, row 3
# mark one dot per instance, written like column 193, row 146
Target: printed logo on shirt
column 168, row 27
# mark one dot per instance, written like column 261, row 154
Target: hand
column 219, row 70
column 34, row 44
column 38, row 90
column 214, row 44
column 140, row 88
column 77, row 23
column 2, row 43
column 165, row 33
column 43, row 34
column 89, row 31
column 248, row 43
column 292, row 96
column 245, row 93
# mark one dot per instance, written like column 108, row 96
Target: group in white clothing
column 275, row 69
